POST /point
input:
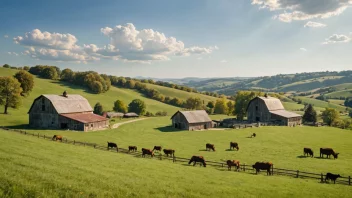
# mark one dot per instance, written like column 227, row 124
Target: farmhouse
column 191, row 120
column 270, row 109
column 65, row 112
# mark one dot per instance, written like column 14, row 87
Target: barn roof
column 85, row 117
column 114, row 114
column 70, row 104
column 131, row 114
column 196, row 116
column 272, row 103
column 285, row 114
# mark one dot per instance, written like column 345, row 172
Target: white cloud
column 337, row 38
column 314, row 24
column 303, row 9
column 223, row 61
column 6, row 36
column 12, row 53
column 303, row 49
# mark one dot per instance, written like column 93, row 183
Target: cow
column 308, row 151
column 57, row 137
column 132, row 148
column 209, row 147
column 234, row 163
column 328, row 152
column 157, row 148
column 169, row 152
column 234, row 145
column 147, row 152
column 331, row 176
column 112, row 145
column 253, row 135
column 263, row 166
column 196, row 159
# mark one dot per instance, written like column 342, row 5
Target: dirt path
column 122, row 123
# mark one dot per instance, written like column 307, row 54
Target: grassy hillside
column 43, row 86
column 321, row 104
column 40, row 168
column 184, row 95
column 336, row 94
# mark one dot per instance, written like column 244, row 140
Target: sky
column 179, row 38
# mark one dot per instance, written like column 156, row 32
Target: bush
column 161, row 113
column 149, row 114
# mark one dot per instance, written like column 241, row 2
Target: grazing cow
column 331, row 176
column 57, row 137
column 157, row 148
column 169, row 152
column 234, row 145
column 132, row 148
column 147, row 152
column 112, row 145
column 196, row 159
column 328, row 152
column 234, row 163
column 308, row 151
column 209, row 147
column 263, row 166
column 253, row 135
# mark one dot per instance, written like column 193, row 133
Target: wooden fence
column 221, row 165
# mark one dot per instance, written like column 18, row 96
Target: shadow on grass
column 73, row 86
column 301, row 156
column 230, row 150
column 322, row 158
column 168, row 129
column 203, row 150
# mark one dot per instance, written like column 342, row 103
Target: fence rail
column 243, row 167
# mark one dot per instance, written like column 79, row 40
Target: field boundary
column 243, row 167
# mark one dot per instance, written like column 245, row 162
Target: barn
column 65, row 112
column 270, row 109
column 191, row 120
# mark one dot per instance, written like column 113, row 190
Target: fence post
column 44, row 136
column 173, row 159
column 222, row 165
column 95, row 145
column 74, row 141
column 25, row 133
column 38, row 135
column 244, row 167
column 84, row 144
column 297, row 173
column 161, row 157
column 272, row 169
column 321, row 179
column 349, row 180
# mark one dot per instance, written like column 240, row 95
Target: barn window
column 256, row 108
column 91, row 125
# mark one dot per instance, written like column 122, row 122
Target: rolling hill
column 44, row 86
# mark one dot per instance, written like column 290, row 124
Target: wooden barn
column 270, row 109
column 65, row 112
column 191, row 120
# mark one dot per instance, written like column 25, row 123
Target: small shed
column 114, row 115
column 191, row 120
column 131, row 115
column 270, row 109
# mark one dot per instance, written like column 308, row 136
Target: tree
column 130, row 84
column 221, row 106
column 26, row 80
column 98, row 109
column 119, row 106
column 10, row 93
column 348, row 102
column 211, row 104
column 310, row 115
column 194, row 103
column 137, row 106
column 26, row 68
column 67, row 75
column 231, row 107
column 350, row 113
column 242, row 99
column 122, row 82
column 330, row 116
column 50, row 73
column 97, row 87
column 6, row 66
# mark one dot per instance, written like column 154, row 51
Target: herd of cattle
column 258, row 166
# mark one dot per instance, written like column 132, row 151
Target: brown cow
column 234, row 163
column 328, row 152
column 169, row 152
column 263, row 166
column 332, row 177
column 234, row 145
column 196, row 159
column 147, row 152
column 209, row 147
column 132, row 148
column 308, row 151
column 157, row 148
column 57, row 137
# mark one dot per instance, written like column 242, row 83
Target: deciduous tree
column 10, row 90
column 137, row 106
column 98, row 109
column 119, row 106
column 330, row 116
column 26, row 80
column 221, row 106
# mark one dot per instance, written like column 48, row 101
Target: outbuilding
column 191, row 120
column 65, row 112
column 270, row 109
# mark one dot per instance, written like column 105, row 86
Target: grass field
column 343, row 86
column 321, row 104
column 338, row 102
column 184, row 95
column 43, row 86
column 343, row 93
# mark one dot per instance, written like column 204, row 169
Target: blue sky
column 198, row 38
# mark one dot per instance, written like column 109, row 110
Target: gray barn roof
column 197, row 116
column 272, row 103
column 285, row 114
column 69, row 104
